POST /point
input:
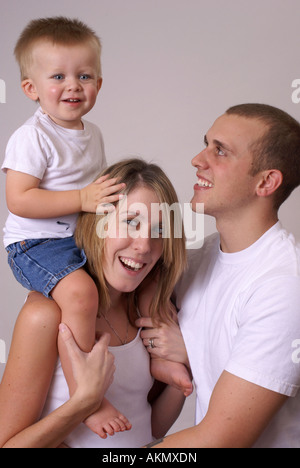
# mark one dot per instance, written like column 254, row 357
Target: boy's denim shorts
column 39, row 264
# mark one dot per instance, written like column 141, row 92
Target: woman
column 121, row 262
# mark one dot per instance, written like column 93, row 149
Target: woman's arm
column 30, row 366
column 167, row 401
column 28, row 373
column 168, row 340
column 165, row 409
column 52, row 430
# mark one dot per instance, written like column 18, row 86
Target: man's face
column 225, row 185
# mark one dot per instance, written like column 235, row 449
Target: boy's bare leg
column 77, row 296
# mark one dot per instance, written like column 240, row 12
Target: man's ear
column 270, row 181
column 29, row 89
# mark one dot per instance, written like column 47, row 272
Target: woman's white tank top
column 128, row 393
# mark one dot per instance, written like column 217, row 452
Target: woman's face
column 134, row 243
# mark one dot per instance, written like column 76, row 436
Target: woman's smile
column 131, row 265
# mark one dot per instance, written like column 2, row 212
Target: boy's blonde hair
column 137, row 173
column 58, row 30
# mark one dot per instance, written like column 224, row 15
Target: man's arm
column 238, row 413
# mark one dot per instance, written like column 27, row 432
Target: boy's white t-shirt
column 240, row 312
column 62, row 159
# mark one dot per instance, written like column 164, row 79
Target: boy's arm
column 238, row 413
column 25, row 198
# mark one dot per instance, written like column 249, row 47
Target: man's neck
column 239, row 234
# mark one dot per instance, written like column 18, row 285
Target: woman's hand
column 27, row 377
column 93, row 372
column 167, row 341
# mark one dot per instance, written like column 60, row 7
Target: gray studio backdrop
column 170, row 67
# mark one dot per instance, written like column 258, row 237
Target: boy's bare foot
column 107, row 420
column 172, row 373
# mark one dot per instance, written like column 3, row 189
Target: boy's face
column 225, row 184
column 65, row 80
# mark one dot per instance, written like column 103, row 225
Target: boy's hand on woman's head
column 102, row 191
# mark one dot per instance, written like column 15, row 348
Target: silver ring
column 151, row 343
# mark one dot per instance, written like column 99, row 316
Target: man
column 239, row 300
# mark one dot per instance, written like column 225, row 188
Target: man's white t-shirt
column 63, row 159
column 240, row 312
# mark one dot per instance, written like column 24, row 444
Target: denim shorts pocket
column 17, row 271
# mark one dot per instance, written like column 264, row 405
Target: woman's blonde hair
column 137, row 173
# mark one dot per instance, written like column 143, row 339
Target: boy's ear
column 29, row 89
column 99, row 84
column 269, row 183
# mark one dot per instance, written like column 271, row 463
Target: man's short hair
column 278, row 148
